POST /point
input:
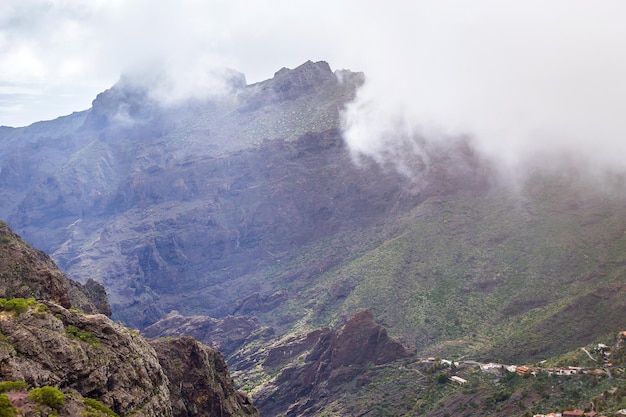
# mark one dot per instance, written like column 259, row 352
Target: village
column 601, row 354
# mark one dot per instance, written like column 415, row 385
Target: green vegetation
column 18, row 305
column 5, row 239
column 6, row 409
column 41, row 310
column 83, row 336
column 96, row 409
column 491, row 275
column 494, row 276
column 48, row 396
column 6, row 386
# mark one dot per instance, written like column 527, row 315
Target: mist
column 521, row 79
column 524, row 80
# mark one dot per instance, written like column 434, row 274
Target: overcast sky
column 519, row 76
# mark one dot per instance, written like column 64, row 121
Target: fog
column 522, row 79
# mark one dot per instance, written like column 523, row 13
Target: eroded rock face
column 225, row 334
column 31, row 273
column 45, row 343
column 333, row 359
column 199, row 381
column 87, row 354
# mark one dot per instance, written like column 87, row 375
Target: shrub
column 101, row 409
column 6, row 409
column 6, row 386
column 48, row 395
column 19, row 305
column 87, row 337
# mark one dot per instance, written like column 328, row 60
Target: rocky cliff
column 48, row 341
column 314, row 369
column 199, row 381
column 28, row 272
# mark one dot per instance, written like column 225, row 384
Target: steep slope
column 31, row 273
column 199, row 380
column 89, row 361
column 243, row 220
column 490, row 273
column 156, row 201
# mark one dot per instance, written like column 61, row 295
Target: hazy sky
column 519, row 76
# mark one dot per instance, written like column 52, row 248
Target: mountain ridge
column 243, row 220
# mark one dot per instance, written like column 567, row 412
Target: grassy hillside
column 497, row 274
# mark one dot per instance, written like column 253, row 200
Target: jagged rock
column 225, row 334
column 334, row 359
column 30, row 273
column 45, row 343
column 199, row 380
column 88, row 354
column 291, row 84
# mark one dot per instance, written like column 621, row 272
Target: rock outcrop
column 85, row 354
column 318, row 365
column 48, row 341
column 199, row 381
column 27, row 272
column 224, row 334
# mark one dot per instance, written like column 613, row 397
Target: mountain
column 224, row 171
column 62, row 360
column 243, row 220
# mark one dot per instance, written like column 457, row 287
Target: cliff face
column 27, row 272
column 313, row 370
column 199, row 380
column 45, row 343
column 86, row 354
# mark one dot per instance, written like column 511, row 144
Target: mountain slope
column 87, row 360
column 244, row 221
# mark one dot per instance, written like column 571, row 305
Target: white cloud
column 519, row 76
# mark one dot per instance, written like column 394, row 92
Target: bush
column 87, row 337
column 19, row 305
column 48, row 395
column 101, row 409
column 6, row 409
column 6, row 386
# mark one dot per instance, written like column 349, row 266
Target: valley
column 245, row 222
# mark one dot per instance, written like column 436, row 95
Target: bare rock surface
column 322, row 363
column 46, row 340
column 199, row 381
column 225, row 334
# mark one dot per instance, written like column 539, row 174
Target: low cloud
column 172, row 82
column 523, row 80
column 520, row 79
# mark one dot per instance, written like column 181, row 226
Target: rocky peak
column 290, row 84
column 149, row 95
column 361, row 340
column 332, row 359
